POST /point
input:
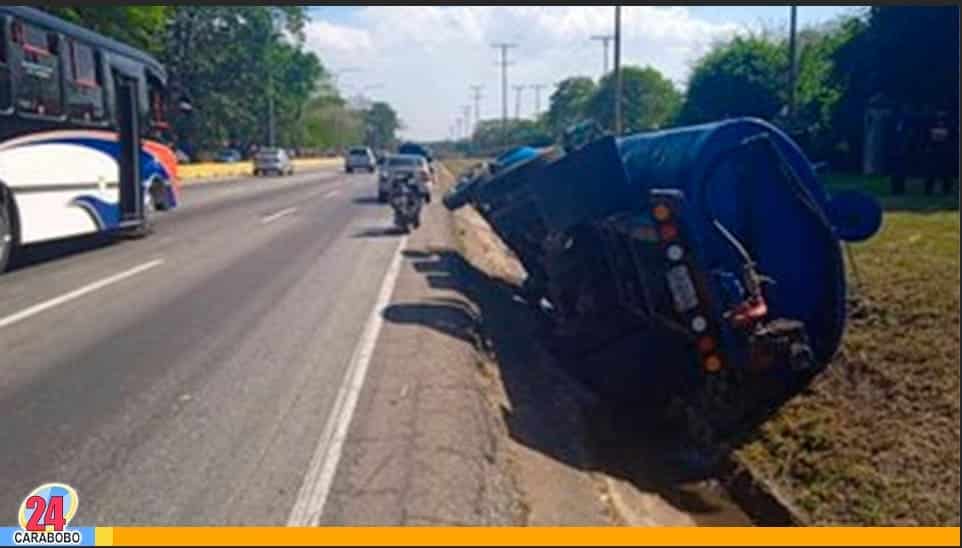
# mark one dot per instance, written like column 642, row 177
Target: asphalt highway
column 186, row 378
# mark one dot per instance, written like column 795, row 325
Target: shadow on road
column 367, row 200
column 378, row 232
column 548, row 412
column 37, row 254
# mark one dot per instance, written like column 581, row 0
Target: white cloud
column 426, row 57
column 324, row 37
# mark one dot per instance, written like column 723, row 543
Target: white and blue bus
column 76, row 111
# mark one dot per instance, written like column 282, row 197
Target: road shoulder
column 423, row 447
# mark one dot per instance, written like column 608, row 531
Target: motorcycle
column 406, row 198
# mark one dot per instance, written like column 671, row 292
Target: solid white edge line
column 40, row 307
column 312, row 496
column 278, row 215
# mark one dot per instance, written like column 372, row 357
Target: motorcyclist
column 406, row 198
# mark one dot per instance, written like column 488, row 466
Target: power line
column 605, row 38
column 504, row 47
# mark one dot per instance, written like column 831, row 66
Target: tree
column 491, row 136
column 913, row 54
column 903, row 56
column 649, row 100
column 295, row 75
column 139, row 26
column 569, row 103
column 381, row 123
column 745, row 76
column 327, row 123
column 230, row 59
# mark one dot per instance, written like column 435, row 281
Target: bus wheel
column 6, row 229
column 158, row 196
column 145, row 228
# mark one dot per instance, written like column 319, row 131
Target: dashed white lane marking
column 309, row 505
column 89, row 288
column 275, row 216
column 332, row 194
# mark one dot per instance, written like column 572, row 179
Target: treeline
column 230, row 61
column 906, row 57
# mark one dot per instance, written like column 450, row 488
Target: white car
column 360, row 158
column 401, row 163
column 273, row 160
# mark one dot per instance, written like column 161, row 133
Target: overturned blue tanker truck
column 697, row 269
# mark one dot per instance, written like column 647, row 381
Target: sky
column 423, row 60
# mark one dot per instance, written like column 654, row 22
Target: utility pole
column 604, row 38
column 517, row 101
column 792, row 65
column 477, row 103
column 270, row 96
column 270, row 109
column 504, row 47
column 617, row 70
column 467, row 120
column 537, row 98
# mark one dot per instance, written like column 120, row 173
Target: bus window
column 158, row 114
column 6, row 82
column 157, row 127
column 84, row 85
column 38, row 92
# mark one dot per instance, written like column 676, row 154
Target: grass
column 876, row 438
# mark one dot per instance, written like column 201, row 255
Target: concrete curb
column 760, row 498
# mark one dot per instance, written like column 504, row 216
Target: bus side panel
column 65, row 182
column 61, row 190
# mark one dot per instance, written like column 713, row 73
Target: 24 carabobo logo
column 45, row 514
column 48, row 508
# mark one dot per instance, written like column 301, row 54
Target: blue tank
column 698, row 264
column 744, row 174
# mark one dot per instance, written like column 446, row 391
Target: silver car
column 360, row 158
column 273, row 160
column 405, row 163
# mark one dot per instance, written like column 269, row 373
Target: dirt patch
column 875, row 440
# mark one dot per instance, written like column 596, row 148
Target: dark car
column 418, row 150
column 229, row 156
